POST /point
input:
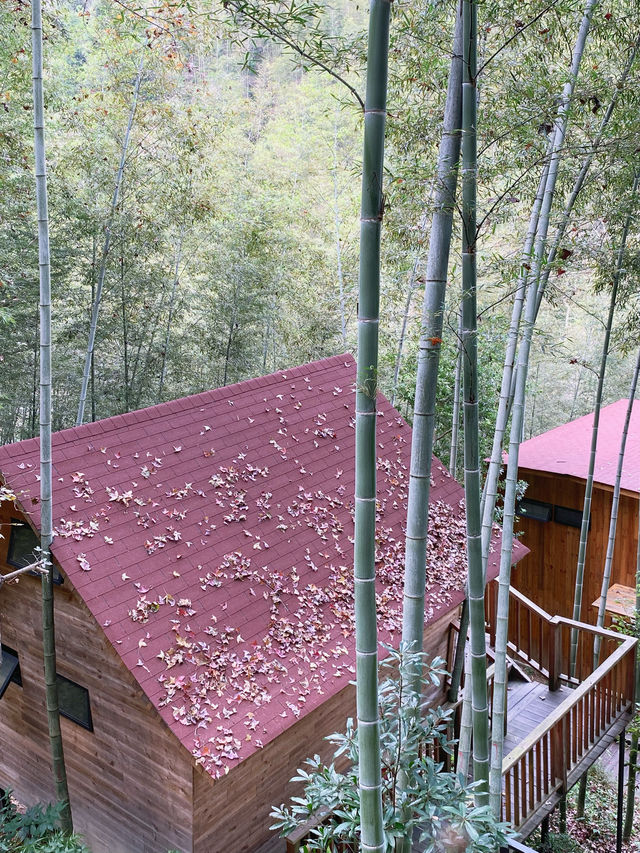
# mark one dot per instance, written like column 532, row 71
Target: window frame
column 84, row 723
column 569, row 511
column 15, row 677
column 534, row 503
column 16, row 523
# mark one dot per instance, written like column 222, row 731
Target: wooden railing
column 528, row 636
column 541, row 765
column 296, row 840
column 545, row 763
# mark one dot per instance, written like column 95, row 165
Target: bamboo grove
column 203, row 239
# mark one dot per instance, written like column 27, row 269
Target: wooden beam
column 575, row 774
column 34, row 567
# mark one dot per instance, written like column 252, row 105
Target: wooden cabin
column 555, row 466
column 204, row 604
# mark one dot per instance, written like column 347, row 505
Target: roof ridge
column 136, row 416
column 570, row 424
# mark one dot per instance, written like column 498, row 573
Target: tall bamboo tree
column 470, row 383
column 372, row 209
column 491, row 481
column 509, row 506
column 613, row 520
column 586, row 515
column 565, row 216
column 586, row 511
column 172, row 300
column 537, row 240
column 490, row 491
column 633, row 751
column 455, row 415
column 615, row 501
column 95, row 308
column 336, row 226
column 46, row 513
column 535, row 288
column 429, row 355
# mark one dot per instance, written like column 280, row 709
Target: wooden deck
column 528, row 705
column 561, row 722
column 558, row 727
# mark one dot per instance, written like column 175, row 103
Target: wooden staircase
column 597, row 705
column 586, row 712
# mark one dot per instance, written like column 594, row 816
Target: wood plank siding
column 232, row 814
column 130, row 780
column 134, row 788
column 547, row 574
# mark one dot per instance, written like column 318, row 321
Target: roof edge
column 148, row 413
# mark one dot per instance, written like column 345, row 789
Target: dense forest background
column 233, row 243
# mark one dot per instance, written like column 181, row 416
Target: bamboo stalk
column 369, row 772
column 633, row 752
column 411, row 287
column 429, row 358
column 538, row 226
column 174, row 288
column 336, row 226
column 502, row 610
column 586, row 512
column 455, row 415
column 105, row 250
column 466, row 723
column 615, row 501
column 46, row 515
column 586, row 165
column 517, row 420
column 470, row 372
column 444, row 190
column 493, row 472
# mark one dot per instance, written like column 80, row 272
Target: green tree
column 46, row 512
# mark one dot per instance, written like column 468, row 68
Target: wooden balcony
column 584, row 713
column 557, row 725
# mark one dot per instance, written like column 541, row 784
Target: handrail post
column 631, row 677
column 559, row 753
column 555, row 653
column 492, row 610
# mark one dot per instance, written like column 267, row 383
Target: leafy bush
column 35, row 831
column 562, row 843
column 431, row 800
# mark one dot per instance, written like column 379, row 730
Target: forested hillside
column 233, row 241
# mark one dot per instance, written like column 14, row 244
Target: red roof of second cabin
column 211, row 538
column 566, row 449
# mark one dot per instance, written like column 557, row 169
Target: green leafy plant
column 414, row 742
column 35, row 831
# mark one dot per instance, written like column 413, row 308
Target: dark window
column 570, row 517
column 9, row 669
column 74, row 702
column 23, row 545
column 537, row 510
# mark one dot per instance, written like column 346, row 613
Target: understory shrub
column 35, row 830
column 432, row 802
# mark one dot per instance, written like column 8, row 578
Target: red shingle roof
column 566, row 449
column 211, row 538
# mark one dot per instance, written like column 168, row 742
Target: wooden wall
column 133, row 786
column 231, row 815
column 547, row 574
column 130, row 780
